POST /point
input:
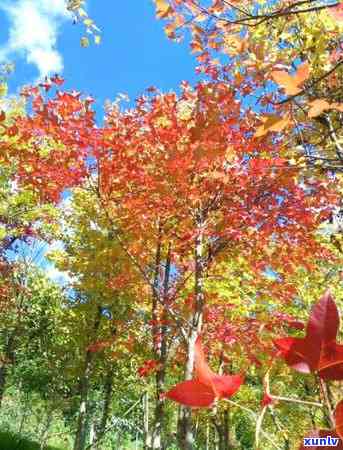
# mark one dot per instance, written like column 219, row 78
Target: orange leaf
column 331, row 362
column 272, row 123
column 317, row 107
column 170, row 30
column 208, row 386
column 286, row 81
column 202, row 370
column 196, row 46
column 227, row 385
column 337, row 106
column 291, row 83
column 302, row 73
column 318, row 350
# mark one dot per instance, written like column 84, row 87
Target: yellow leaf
column 88, row 22
column 163, row 122
column 97, row 39
column 163, row 9
column 185, row 110
column 233, row 44
column 3, row 232
column 82, row 12
column 84, row 42
column 3, row 89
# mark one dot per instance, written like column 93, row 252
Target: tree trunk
column 8, row 356
column 207, row 436
column 157, row 438
column 45, row 431
column 93, row 435
column 146, row 437
column 100, row 431
column 185, row 429
column 80, row 437
column 222, row 427
column 24, row 415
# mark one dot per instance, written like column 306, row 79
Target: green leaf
column 84, row 42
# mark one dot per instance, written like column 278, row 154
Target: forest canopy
column 171, row 266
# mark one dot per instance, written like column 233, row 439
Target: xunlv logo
column 327, row 441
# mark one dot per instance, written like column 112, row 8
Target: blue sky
column 40, row 38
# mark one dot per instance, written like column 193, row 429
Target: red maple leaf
column 57, row 80
column 206, row 387
column 318, row 350
column 150, row 366
column 99, row 346
column 266, row 400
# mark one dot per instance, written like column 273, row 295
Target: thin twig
column 259, row 423
column 254, row 415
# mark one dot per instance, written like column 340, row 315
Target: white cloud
column 59, row 277
column 34, row 26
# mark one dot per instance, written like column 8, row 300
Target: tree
column 190, row 175
column 259, row 43
column 93, row 260
column 168, row 199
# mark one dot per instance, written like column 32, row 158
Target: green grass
column 9, row 441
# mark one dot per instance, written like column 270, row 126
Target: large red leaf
column 224, row 386
column 192, row 393
column 331, row 362
column 339, row 419
column 322, row 327
column 293, row 351
column 318, row 350
column 208, row 386
column 202, row 370
column 227, row 385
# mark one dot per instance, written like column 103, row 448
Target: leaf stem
column 324, row 392
column 296, row 400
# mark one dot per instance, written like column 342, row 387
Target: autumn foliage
column 194, row 233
